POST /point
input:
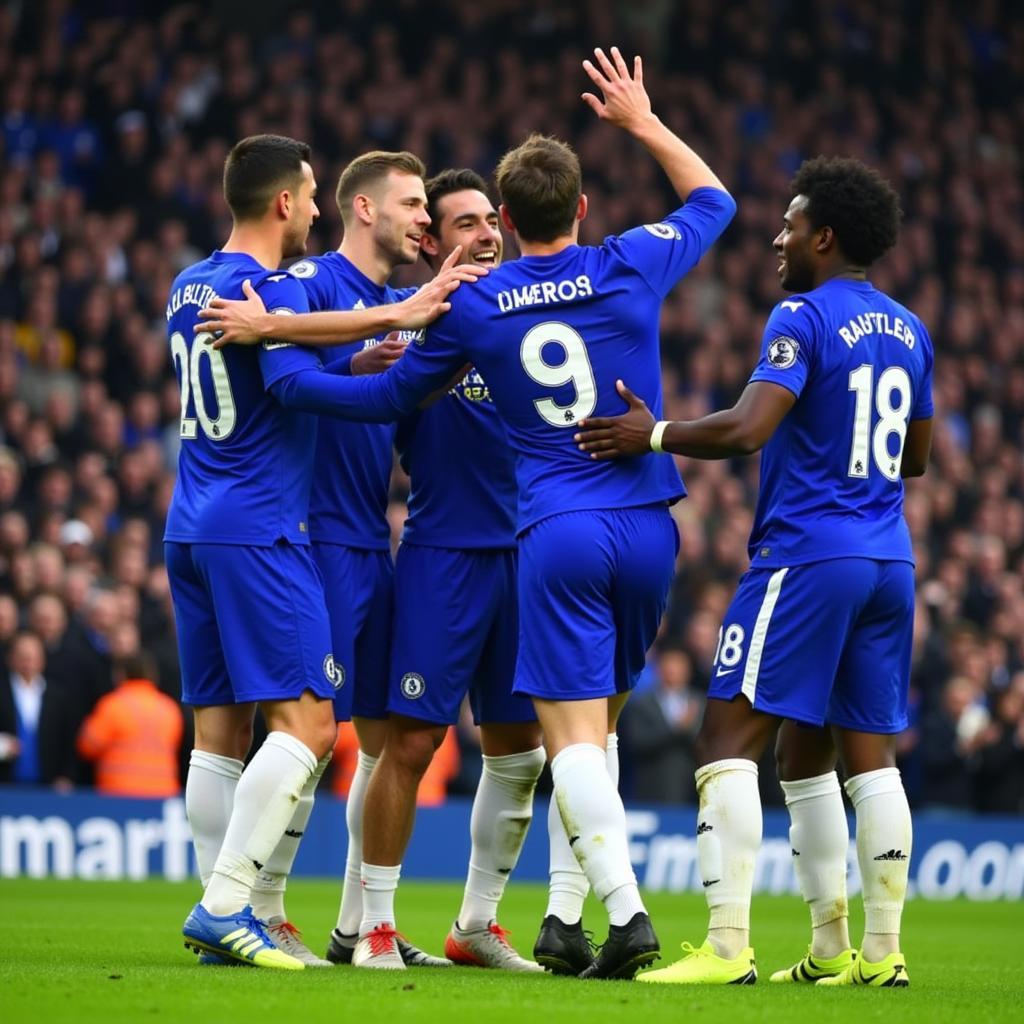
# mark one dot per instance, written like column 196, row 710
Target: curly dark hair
column 456, row 179
column 860, row 206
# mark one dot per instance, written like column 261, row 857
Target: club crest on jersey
column 304, row 268
column 782, row 352
column 665, row 231
column 413, row 685
column 335, row 673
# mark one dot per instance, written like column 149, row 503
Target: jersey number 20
column 188, row 368
column 892, row 419
column 575, row 369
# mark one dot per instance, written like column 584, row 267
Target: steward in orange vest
column 134, row 733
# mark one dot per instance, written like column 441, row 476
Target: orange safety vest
column 134, row 735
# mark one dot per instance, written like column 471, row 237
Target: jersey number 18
column 892, row 419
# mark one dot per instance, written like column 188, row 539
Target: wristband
column 656, row 435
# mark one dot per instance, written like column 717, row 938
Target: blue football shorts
column 252, row 623
column 359, row 588
column 456, row 632
column 592, row 590
column 824, row 642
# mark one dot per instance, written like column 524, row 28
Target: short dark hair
column 257, row 168
column 369, row 169
column 540, row 184
column 455, row 179
column 140, row 665
column 860, row 206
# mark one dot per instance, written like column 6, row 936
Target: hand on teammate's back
column 618, row 437
column 378, row 358
column 626, row 103
column 234, row 321
column 431, row 301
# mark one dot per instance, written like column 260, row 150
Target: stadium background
column 116, row 119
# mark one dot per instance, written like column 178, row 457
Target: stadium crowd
column 112, row 145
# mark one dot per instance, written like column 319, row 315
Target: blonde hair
column 370, row 169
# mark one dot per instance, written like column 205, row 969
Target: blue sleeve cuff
column 341, row 367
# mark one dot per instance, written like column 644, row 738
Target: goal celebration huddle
column 524, row 399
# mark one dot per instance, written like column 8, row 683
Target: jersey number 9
column 575, row 369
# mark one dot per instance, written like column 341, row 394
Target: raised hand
column 624, row 102
column 618, row 437
column 233, row 321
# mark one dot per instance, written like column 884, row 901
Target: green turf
column 98, row 951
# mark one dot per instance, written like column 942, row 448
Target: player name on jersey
column 542, row 293
column 195, row 294
column 876, row 323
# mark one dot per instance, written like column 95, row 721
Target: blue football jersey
column 349, row 500
column 550, row 335
column 860, row 365
column 461, row 470
column 246, row 463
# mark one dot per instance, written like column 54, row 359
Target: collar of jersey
column 350, row 268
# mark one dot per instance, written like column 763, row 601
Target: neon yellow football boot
column 812, row 968
column 888, row 973
column 701, row 965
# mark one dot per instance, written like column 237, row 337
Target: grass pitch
column 111, row 952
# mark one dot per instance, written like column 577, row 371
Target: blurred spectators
column 112, row 142
column 657, row 732
column 37, row 720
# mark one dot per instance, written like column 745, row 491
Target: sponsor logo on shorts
column 334, row 671
column 413, row 685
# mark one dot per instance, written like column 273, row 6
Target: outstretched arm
column 625, row 103
column 246, row 321
column 377, row 398
column 741, row 430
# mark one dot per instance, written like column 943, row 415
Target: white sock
column 350, row 912
column 728, row 837
column 884, row 838
column 209, row 796
column 502, row 810
column 611, row 753
column 819, row 837
column 567, row 885
column 595, row 821
column 379, row 884
column 268, row 892
column 265, row 800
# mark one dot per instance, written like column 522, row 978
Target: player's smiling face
column 401, row 209
column 796, row 245
column 303, row 212
column 465, row 218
